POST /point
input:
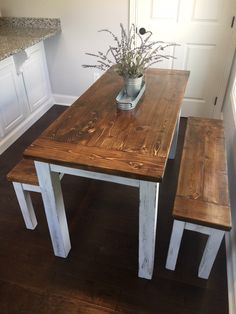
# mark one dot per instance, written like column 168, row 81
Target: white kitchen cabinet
column 34, row 73
column 12, row 109
column 25, row 93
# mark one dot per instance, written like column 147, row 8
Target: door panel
column 202, row 28
column 35, row 77
column 207, row 11
column 11, row 107
column 198, row 59
column 165, row 9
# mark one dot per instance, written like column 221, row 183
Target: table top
column 94, row 135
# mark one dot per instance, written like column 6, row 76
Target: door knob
column 142, row 31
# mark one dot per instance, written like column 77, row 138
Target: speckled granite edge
column 17, row 34
column 30, row 22
column 17, row 45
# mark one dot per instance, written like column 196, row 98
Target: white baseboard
column 64, row 100
column 231, row 271
column 25, row 125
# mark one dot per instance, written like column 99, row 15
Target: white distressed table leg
column 54, row 208
column 175, row 140
column 175, row 241
column 26, row 206
column 148, row 207
column 210, row 252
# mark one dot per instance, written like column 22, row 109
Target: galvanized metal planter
column 133, row 86
column 126, row 102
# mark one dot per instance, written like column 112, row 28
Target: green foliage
column 132, row 53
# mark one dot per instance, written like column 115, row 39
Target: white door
column 204, row 29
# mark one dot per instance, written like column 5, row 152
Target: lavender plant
column 132, row 53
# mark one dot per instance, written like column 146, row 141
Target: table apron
column 94, row 175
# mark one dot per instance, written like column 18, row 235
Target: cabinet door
column 35, row 76
column 11, row 106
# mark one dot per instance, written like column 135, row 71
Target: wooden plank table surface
column 95, row 139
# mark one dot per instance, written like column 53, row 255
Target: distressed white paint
column 49, row 177
column 95, row 175
column 24, row 199
column 175, row 240
column 197, row 228
column 175, row 140
column 148, row 208
column 54, row 208
column 147, row 213
column 211, row 248
column 26, row 206
column 210, row 252
column 31, row 188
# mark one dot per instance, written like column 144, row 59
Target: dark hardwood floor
column 100, row 273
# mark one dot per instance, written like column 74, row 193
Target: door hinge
column 232, row 23
column 215, row 102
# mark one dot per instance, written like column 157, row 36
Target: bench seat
column 24, row 172
column 24, row 179
column 202, row 198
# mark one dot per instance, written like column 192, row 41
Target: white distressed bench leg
column 148, row 208
column 26, row 205
column 175, row 241
column 175, row 140
column 210, row 252
column 54, row 208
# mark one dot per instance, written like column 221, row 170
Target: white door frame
column 230, row 127
column 133, row 13
column 133, row 7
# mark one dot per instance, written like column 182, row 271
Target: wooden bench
column 24, row 179
column 202, row 198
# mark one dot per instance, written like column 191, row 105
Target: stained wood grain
column 94, row 135
column 202, row 193
column 24, row 172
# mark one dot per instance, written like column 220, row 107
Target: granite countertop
column 17, row 34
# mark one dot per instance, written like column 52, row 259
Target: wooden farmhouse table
column 94, row 139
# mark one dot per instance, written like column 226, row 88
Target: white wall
column 230, row 133
column 80, row 22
